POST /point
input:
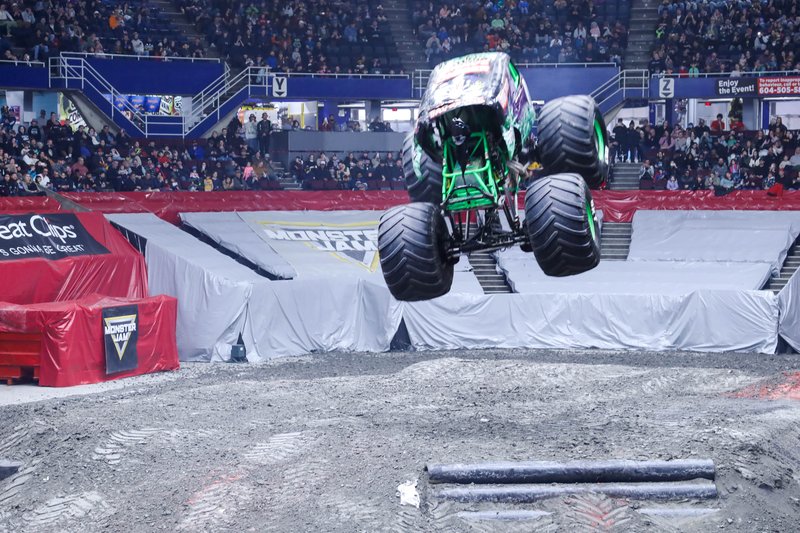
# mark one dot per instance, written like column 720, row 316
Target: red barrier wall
column 28, row 204
column 72, row 349
column 120, row 273
column 617, row 206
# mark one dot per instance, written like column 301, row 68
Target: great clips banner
column 66, row 256
column 53, row 236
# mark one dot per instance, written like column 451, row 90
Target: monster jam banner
column 54, row 236
column 321, row 244
column 120, row 336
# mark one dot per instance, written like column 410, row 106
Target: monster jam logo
column 120, row 333
column 355, row 243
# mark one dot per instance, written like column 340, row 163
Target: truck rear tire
column 573, row 138
column 428, row 186
column 561, row 225
column 412, row 243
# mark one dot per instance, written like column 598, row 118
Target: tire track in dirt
column 278, row 448
column 12, row 486
column 85, row 505
column 596, row 513
column 112, row 450
column 214, row 505
column 355, row 513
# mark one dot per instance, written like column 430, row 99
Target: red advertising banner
column 779, row 86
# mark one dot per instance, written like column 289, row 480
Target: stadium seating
column 41, row 30
column 699, row 158
column 695, row 37
column 317, row 36
column 537, row 31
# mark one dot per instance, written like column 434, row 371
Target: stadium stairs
column 171, row 12
column 287, row 182
column 408, row 46
column 641, row 34
column 484, row 266
column 615, row 241
column 626, row 177
column 791, row 264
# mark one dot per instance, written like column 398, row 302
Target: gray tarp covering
column 218, row 299
column 629, row 277
column 309, row 244
column 212, row 289
column 294, row 317
column 789, row 303
column 229, row 232
column 344, row 311
column 723, row 236
column 713, row 321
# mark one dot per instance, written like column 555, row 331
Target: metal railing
column 77, row 69
column 340, row 75
column 21, row 62
column 748, row 74
column 629, row 83
column 210, row 101
column 421, row 76
column 103, row 55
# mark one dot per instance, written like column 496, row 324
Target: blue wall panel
column 347, row 88
column 546, row 83
column 19, row 77
column 156, row 77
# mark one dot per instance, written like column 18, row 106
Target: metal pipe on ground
column 534, row 493
column 572, row 471
column 8, row 468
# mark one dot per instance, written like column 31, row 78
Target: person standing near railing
column 264, row 130
column 251, row 133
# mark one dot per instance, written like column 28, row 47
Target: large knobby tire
column 427, row 186
column 572, row 138
column 412, row 243
column 561, row 225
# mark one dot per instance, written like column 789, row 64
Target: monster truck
column 464, row 162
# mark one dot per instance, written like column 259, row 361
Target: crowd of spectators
column 351, row 172
column 544, row 31
column 43, row 28
column 716, row 36
column 48, row 153
column 710, row 157
column 319, row 36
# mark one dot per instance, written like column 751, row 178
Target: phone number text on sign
column 768, row 86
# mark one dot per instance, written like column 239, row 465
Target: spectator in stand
column 6, row 20
column 264, row 131
column 718, row 125
column 251, row 133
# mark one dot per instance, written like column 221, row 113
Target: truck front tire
column 412, row 243
column 573, row 138
column 561, row 225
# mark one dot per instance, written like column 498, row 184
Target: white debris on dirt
column 321, row 443
column 408, row 493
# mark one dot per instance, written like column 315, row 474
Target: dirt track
column 321, row 443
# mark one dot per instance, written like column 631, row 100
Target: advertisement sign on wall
column 149, row 104
column 766, row 86
column 46, row 236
